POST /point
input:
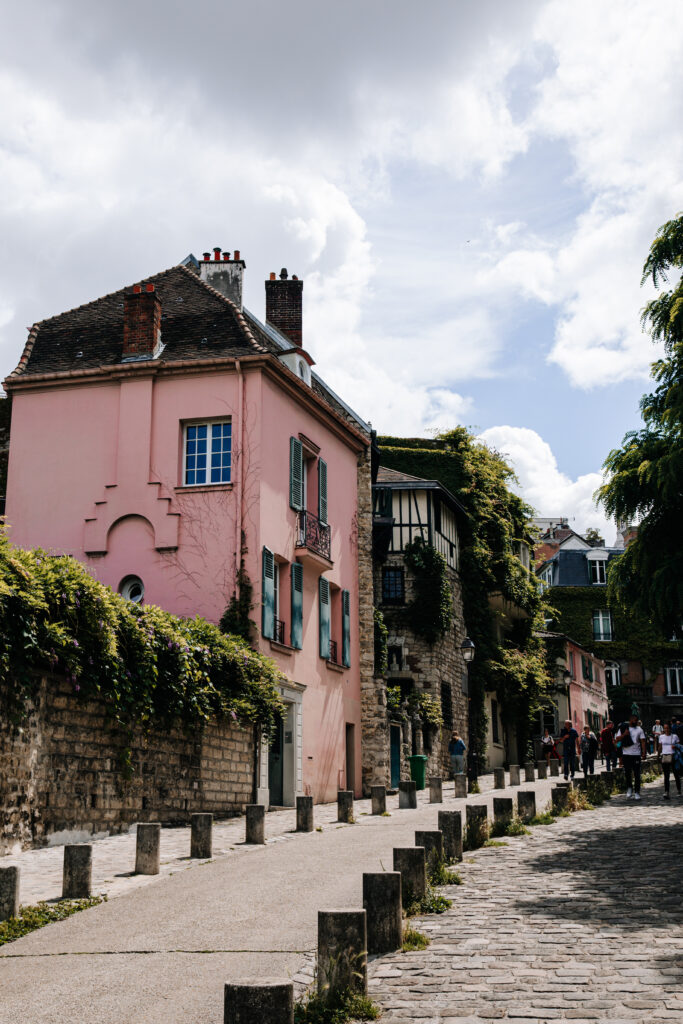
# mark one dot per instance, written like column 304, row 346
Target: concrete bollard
column 433, row 847
column 435, row 791
column 9, row 891
column 581, row 784
column 476, row 827
column 410, row 861
column 559, row 797
column 148, row 848
column 450, row 825
column 256, row 824
column 499, row 778
column 407, row 794
column 608, row 779
column 554, row 769
column 526, row 804
column 342, row 951
column 514, row 774
column 345, row 806
column 201, row 836
column 77, row 872
column 379, row 799
column 460, row 786
column 384, row 911
column 267, row 1001
column 304, row 814
column 503, row 810
column 529, row 772
column 542, row 769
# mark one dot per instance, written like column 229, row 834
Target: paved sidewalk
column 580, row 922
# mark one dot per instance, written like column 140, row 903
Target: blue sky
column 467, row 190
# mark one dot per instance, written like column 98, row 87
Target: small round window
column 133, row 589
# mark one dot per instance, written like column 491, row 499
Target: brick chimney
column 223, row 273
column 283, row 305
column 141, row 323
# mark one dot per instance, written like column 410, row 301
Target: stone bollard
column 379, row 799
column 559, row 797
column 433, row 847
column 529, row 772
column 460, row 786
column 554, row 769
column 407, row 794
column 410, row 861
column 147, row 848
column 342, row 952
column 384, row 910
column 503, row 810
column 304, row 814
column 345, row 806
column 435, row 791
column 476, row 828
column 9, row 891
column 267, row 1001
column 201, row 836
column 581, row 784
column 499, row 778
column 77, row 872
column 526, row 804
column 608, row 779
column 450, row 825
column 514, row 774
column 542, row 769
column 256, row 824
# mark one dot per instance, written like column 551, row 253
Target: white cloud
column 541, row 483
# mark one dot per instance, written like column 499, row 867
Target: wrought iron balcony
column 313, row 534
column 279, row 631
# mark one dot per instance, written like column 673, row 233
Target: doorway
column 351, row 757
column 395, row 740
column 275, row 766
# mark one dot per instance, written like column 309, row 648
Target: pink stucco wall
column 95, row 471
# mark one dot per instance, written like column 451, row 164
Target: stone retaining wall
column 62, row 771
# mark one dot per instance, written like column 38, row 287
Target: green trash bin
column 418, row 769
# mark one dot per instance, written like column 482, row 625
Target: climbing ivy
column 236, row 619
column 430, row 612
column 149, row 667
column 381, row 642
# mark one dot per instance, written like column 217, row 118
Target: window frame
column 394, row 600
column 598, row 567
column 209, row 424
column 674, row 669
column 599, row 614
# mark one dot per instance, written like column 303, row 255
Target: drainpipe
column 239, row 482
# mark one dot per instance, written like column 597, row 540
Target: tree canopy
column 645, row 475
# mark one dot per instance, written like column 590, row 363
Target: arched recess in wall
column 131, row 551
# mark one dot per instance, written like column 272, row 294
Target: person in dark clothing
column 608, row 746
column 589, row 748
column 632, row 739
column 570, row 748
column 669, row 748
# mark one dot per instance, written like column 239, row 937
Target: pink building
column 164, row 436
column 580, row 691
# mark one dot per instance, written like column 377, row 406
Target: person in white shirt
column 668, row 741
column 657, row 730
column 632, row 740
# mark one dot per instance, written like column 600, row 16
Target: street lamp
column 467, row 649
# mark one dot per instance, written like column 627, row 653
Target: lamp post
column 467, row 649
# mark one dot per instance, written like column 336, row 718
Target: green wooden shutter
column 268, row 594
column 296, row 474
column 346, row 628
column 297, row 630
column 322, row 492
column 324, row 617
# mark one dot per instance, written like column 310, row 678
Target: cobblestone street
column 579, row 921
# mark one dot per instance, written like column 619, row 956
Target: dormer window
column 598, row 571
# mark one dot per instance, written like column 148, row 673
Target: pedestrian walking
column 570, row 748
column 456, row 750
column 608, row 745
column 657, row 730
column 668, row 742
column 589, row 748
column 632, row 739
column 547, row 745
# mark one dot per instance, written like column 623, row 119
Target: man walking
column 608, row 746
column 570, row 748
column 632, row 740
column 589, row 748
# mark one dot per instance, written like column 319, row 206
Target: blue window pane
column 191, row 447
column 201, row 476
column 189, row 477
column 201, row 445
column 201, row 431
column 191, row 433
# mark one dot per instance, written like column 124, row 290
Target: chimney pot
column 216, row 252
column 149, row 287
column 283, row 274
column 137, row 288
column 207, row 256
column 294, row 277
column 226, row 256
column 237, row 254
column 272, row 275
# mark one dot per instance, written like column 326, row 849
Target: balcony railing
column 334, row 652
column 313, row 534
column 279, row 631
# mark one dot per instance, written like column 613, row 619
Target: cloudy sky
column 468, row 190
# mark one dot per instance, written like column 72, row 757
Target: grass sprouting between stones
column 431, row 903
column 324, row 1008
column 39, row 914
column 544, row 818
column 413, row 939
column 495, row 842
column 440, row 874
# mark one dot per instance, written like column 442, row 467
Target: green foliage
column 235, row 620
column 474, row 787
column 593, row 536
column 334, row 1009
column 431, row 610
column 495, row 842
column 644, row 475
column 149, row 667
column 476, row 834
column 413, row 939
column 544, row 818
column 515, row 827
column 38, row 915
column 417, row 702
column 381, row 641
column 439, row 874
column 431, row 903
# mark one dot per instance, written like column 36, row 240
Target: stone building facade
column 61, row 773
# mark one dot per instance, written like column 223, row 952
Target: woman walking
column 547, row 746
column 668, row 741
column 456, row 749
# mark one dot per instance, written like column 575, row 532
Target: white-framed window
column 612, row 674
column 133, row 589
column 207, row 453
column 598, row 571
column 674, row 679
column 546, row 577
column 602, row 624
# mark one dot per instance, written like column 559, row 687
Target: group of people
column 625, row 745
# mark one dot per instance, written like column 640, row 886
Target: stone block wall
column 62, row 772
